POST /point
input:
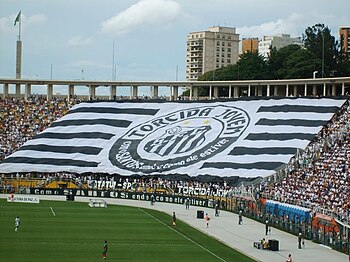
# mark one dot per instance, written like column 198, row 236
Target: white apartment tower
column 277, row 41
column 209, row 50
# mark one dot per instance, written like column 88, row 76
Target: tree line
column 320, row 52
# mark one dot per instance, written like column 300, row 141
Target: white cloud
column 295, row 25
column 79, row 41
column 142, row 14
column 289, row 26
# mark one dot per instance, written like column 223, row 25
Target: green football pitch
column 72, row 231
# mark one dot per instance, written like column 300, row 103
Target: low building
column 277, row 41
column 250, row 45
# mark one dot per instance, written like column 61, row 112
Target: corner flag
column 18, row 17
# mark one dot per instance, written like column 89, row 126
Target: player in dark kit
column 240, row 219
column 174, row 219
column 266, row 227
column 300, row 239
column 152, row 200
column 105, row 249
column 187, row 202
column 217, row 209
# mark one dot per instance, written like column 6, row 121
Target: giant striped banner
column 247, row 138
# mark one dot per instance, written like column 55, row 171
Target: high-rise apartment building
column 211, row 49
column 250, row 45
column 344, row 32
column 278, row 42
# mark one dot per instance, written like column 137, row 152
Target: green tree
column 343, row 68
column 249, row 66
column 220, row 74
column 252, row 65
column 322, row 44
column 292, row 61
column 301, row 64
column 277, row 61
column 274, row 63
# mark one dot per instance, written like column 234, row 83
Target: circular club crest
column 179, row 139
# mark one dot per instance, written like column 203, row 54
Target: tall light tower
column 19, row 47
column 322, row 72
column 18, row 52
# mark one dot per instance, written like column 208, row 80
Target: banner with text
column 121, row 195
column 23, row 198
column 233, row 138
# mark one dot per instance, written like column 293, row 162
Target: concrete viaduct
column 289, row 87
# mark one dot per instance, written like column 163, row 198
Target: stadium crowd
column 21, row 119
column 318, row 178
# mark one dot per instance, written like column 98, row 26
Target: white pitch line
column 194, row 242
column 325, row 246
column 53, row 212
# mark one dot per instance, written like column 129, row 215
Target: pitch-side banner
column 23, row 198
column 234, row 138
column 177, row 199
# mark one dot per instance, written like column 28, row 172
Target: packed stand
column 22, row 119
column 320, row 177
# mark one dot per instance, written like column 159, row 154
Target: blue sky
column 76, row 37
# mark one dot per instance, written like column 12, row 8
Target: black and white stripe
column 76, row 140
column 280, row 129
column 80, row 141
